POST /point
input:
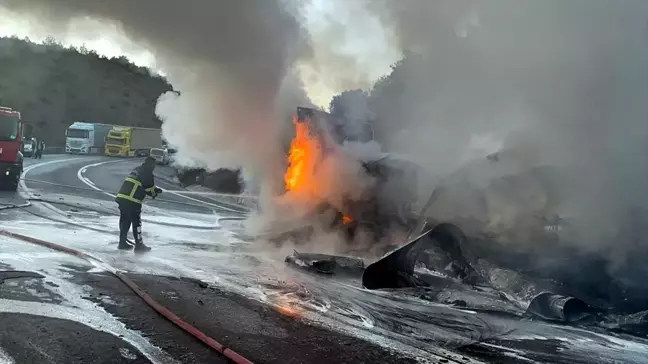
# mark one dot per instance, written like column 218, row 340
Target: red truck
column 11, row 158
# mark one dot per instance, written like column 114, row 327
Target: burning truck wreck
column 335, row 184
column 439, row 256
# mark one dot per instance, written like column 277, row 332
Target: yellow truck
column 128, row 141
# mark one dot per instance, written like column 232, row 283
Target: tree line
column 53, row 86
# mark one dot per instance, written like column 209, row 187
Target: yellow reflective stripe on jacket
column 129, row 198
column 150, row 189
column 134, row 181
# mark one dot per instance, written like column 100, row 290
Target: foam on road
column 401, row 321
column 70, row 302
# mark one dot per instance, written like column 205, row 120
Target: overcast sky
column 375, row 55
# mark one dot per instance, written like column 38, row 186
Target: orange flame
column 304, row 155
column 346, row 219
column 288, row 310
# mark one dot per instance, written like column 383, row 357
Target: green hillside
column 53, row 86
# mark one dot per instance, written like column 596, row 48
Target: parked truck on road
column 132, row 141
column 11, row 159
column 86, row 138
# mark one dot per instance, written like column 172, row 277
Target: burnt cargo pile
column 221, row 180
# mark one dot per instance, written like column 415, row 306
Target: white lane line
column 91, row 184
column 88, row 182
column 27, row 193
column 25, row 189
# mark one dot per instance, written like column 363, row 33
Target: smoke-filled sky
column 241, row 67
column 562, row 81
column 365, row 43
column 234, row 63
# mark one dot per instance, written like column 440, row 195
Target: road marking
column 91, row 184
column 27, row 193
column 88, row 182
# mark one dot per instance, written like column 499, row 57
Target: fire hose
column 203, row 204
column 212, row 343
column 29, row 200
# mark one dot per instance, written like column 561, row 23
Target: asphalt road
column 239, row 292
column 61, row 309
column 97, row 177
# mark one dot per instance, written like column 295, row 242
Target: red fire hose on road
column 227, row 352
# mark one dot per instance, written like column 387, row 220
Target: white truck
column 86, row 138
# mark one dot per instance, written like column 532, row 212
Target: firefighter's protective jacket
column 137, row 185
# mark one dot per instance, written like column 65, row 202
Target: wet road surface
column 191, row 242
column 70, row 305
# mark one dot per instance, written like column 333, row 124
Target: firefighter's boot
column 141, row 248
column 123, row 245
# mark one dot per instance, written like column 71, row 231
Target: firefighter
column 137, row 185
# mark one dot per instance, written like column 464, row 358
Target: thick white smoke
column 562, row 83
column 234, row 67
column 231, row 63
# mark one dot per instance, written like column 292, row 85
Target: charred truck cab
column 11, row 159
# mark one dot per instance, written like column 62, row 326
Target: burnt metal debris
column 472, row 284
column 327, row 264
column 439, row 262
column 396, row 270
column 553, row 307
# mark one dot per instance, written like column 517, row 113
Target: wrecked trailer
column 455, row 279
column 387, row 205
column 327, row 264
column 456, row 263
column 528, row 295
